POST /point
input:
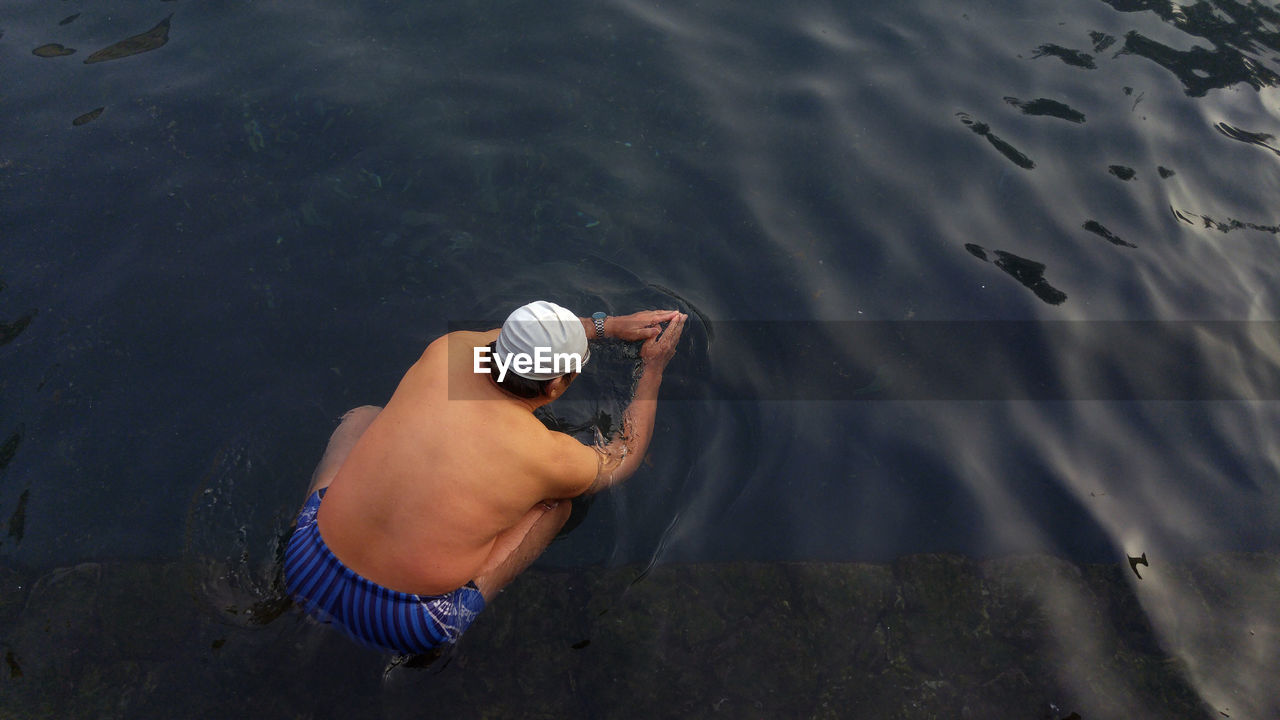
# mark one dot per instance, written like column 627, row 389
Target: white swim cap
column 548, row 335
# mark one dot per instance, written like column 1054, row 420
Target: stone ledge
column 929, row 636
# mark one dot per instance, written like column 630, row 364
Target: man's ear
column 558, row 385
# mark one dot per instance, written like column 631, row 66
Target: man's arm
column 621, row 456
column 625, row 451
column 636, row 326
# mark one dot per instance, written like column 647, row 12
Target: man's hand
column 638, row 326
column 657, row 351
column 626, row 449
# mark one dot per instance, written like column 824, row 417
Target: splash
column 237, row 558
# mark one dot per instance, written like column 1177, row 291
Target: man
column 434, row 503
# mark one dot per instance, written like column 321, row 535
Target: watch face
column 597, row 316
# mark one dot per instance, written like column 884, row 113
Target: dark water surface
column 245, row 218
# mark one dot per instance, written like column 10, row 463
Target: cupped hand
column 638, row 326
column 657, row 351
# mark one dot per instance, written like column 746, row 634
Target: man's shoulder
column 461, row 339
column 567, row 464
column 455, row 350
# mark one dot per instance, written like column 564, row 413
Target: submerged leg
column 519, row 546
column 353, row 425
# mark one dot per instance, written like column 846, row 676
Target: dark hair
column 521, row 387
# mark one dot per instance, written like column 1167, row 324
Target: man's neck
column 530, row 404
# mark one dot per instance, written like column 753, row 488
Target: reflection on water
column 87, row 117
column 1028, row 272
column 1239, row 32
column 52, row 50
column 1007, row 150
column 283, row 206
column 11, row 329
column 1122, row 172
column 140, row 43
column 1047, row 107
column 1224, row 226
column 1134, row 562
column 17, row 524
column 1075, row 58
column 1097, row 228
column 1259, row 139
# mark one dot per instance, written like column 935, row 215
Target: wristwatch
column 598, row 319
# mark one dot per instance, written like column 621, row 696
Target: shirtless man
column 435, row 502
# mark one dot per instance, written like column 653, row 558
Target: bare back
column 434, row 481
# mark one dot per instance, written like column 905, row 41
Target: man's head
column 543, row 346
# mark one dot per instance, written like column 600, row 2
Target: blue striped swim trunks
column 369, row 613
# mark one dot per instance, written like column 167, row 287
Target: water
column 279, row 207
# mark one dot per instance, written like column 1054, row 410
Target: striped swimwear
column 370, row 613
